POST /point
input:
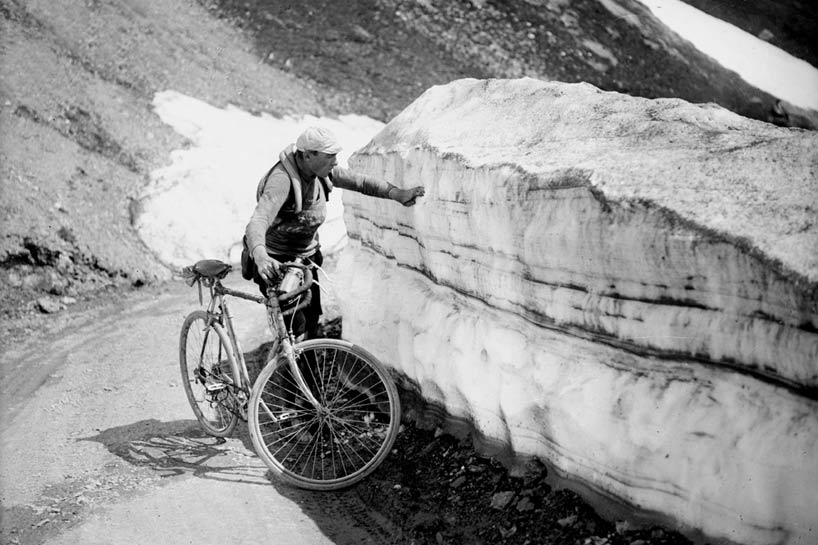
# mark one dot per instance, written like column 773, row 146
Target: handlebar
column 304, row 287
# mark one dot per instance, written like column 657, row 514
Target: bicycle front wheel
column 342, row 440
column 207, row 374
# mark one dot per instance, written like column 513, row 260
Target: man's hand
column 268, row 267
column 408, row 197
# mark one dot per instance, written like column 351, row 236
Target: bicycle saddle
column 211, row 268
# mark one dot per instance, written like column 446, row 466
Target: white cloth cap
column 318, row 139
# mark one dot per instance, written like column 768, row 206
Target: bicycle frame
column 219, row 310
column 323, row 419
column 283, row 343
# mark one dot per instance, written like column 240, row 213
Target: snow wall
column 624, row 289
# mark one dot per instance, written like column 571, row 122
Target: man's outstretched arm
column 346, row 179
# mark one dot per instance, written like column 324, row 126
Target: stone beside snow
column 623, row 288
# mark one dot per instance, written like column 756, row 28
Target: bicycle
column 322, row 414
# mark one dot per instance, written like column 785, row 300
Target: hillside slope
column 80, row 138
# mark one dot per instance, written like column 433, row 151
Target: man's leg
column 312, row 313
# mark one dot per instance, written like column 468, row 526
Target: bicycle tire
column 340, row 444
column 207, row 374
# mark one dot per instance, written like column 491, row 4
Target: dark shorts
column 305, row 320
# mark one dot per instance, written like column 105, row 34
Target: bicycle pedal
column 215, row 386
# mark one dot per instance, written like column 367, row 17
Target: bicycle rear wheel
column 341, row 441
column 206, row 374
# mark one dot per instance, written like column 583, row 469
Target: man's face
column 320, row 163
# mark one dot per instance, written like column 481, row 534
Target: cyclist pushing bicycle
column 323, row 413
column 291, row 206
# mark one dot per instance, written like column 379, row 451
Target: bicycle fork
column 286, row 350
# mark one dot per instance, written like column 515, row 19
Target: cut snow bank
column 198, row 206
column 624, row 288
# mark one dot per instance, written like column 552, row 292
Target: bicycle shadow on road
column 181, row 447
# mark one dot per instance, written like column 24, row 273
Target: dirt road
column 100, row 446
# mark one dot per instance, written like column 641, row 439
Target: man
column 292, row 205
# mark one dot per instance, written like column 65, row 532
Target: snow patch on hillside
column 759, row 63
column 198, row 206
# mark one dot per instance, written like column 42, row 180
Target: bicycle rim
column 339, row 443
column 207, row 375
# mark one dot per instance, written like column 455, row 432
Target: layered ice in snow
column 625, row 289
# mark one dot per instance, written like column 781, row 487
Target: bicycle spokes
column 341, row 437
column 206, row 372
